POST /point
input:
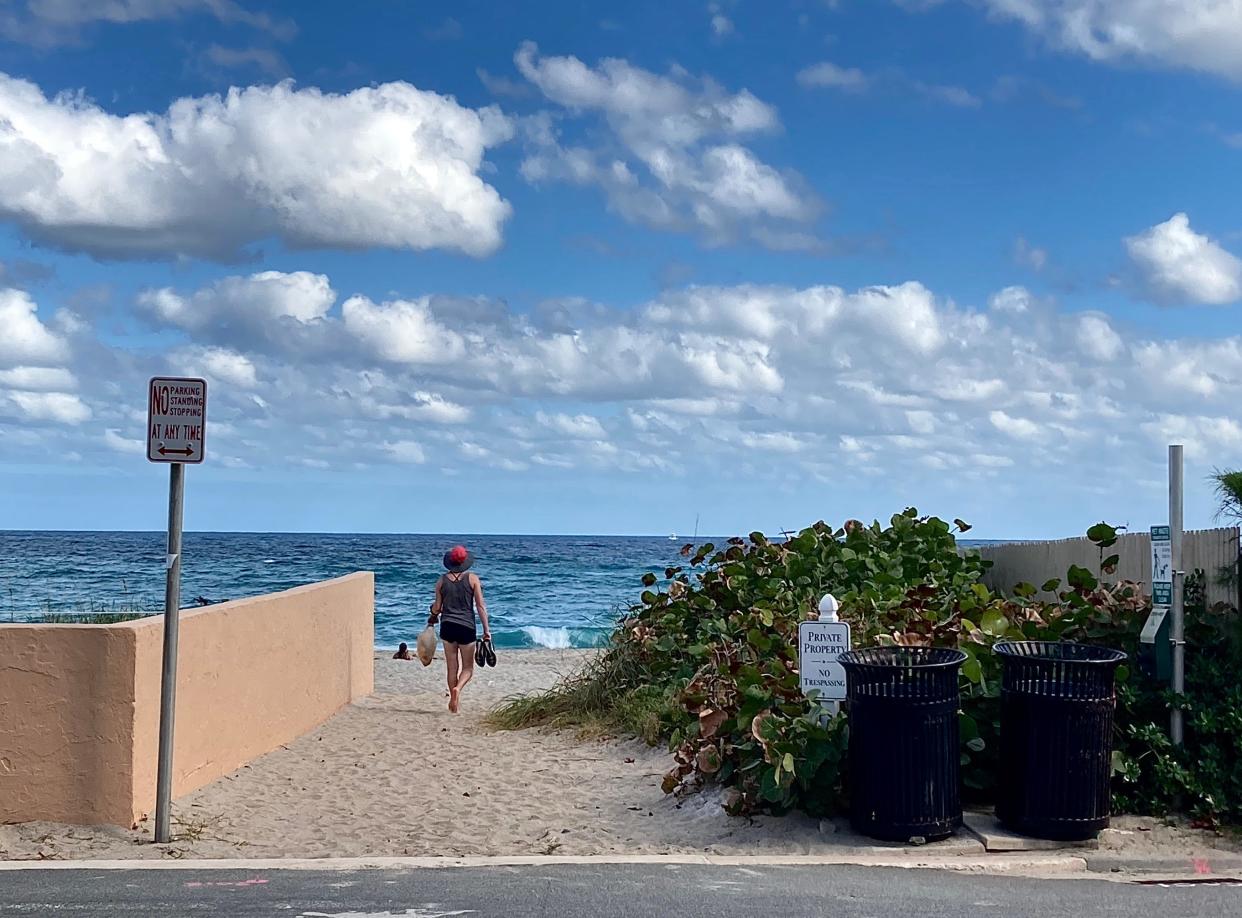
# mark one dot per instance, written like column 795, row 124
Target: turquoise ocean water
column 542, row 591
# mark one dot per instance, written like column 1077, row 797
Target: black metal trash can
column 1056, row 742
column 904, row 758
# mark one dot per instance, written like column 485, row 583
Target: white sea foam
column 555, row 638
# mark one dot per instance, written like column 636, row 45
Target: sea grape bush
column 718, row 636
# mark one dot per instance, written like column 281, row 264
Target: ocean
column 541, row 591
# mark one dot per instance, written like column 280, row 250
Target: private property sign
column 176, row 419
column 820, row 644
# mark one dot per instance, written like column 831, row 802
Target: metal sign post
column 176, row 424
column 168, row 683
column 1178, row 630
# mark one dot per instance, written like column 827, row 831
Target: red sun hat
column 458, row 559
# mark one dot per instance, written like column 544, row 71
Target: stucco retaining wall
column 79, row 704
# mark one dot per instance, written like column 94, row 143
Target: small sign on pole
column 176, row 432
column 1161, row 566
column 820, row 645
column 176, row 419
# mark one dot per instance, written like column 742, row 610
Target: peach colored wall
column 66, row 723
column 252, row 675
column 79, row 704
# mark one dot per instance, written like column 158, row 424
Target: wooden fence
column 1214, row 551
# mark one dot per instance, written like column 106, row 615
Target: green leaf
column 976, row 745
column 1051, row 586
column 962, row 526
column 649, row 580
column 967, row 726
column 1081, row 579
column 972, row 669
column 788, row 762
column 994, row 623
column 1103, row 535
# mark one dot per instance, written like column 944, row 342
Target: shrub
column 707, row 660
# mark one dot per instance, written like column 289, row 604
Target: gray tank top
column 457, row 600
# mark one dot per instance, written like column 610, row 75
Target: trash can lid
column 901, row 657
column 1058, row 652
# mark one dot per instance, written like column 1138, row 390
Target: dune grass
column 610, row 696
column 87, row 618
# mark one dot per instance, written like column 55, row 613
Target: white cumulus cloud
column 406, row 451
column 1178, row 265
column 25, row 339
column 829, row 75
column 580, row 427
column 114, row 440
column 60, row 407
column 219, row 364
column 383, row 166
column 1098, row 339
column 1022, row 428
column 1202, row 35
column 404, row 331
column 38, row 379
column 281, row 309
column 768, row 382
column 676, row 161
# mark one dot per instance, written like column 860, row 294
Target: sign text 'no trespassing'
column 820, row 644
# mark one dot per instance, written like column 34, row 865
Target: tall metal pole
column 168, row 688
column 1178, row 629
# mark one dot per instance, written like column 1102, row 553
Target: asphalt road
column 566, row 891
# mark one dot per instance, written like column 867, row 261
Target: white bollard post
column 828, row 606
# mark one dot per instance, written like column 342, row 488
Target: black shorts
column 453, row 633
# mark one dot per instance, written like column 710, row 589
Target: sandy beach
column 397, row 775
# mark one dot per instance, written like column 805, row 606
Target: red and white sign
column 176, row 419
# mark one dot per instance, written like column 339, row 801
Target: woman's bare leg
column 452, row 662
column 467, row 667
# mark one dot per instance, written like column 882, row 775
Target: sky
column 571, row 267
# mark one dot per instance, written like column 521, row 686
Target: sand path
column 397, row 775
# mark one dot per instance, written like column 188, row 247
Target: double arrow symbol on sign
column 188, row 451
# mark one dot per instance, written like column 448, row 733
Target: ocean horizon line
column 459, row 535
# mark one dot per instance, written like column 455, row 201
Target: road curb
column 1044, row 864
column 1209, row 864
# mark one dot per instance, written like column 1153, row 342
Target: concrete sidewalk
column 1132, row 847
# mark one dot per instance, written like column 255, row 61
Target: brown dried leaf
column 709, row 760
column 710, row 720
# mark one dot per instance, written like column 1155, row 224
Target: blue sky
column 562, row 267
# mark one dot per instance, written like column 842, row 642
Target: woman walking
column 458, row 594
